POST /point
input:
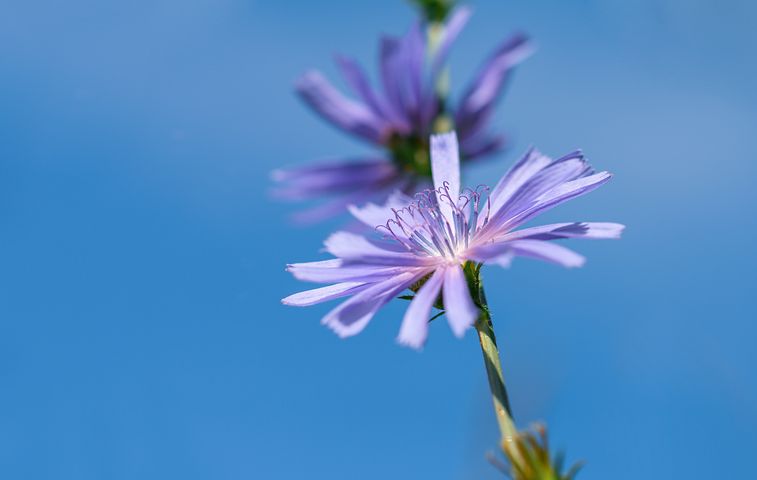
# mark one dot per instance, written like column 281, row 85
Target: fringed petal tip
column 413, row 343
column 342, row 331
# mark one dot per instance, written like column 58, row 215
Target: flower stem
column 493, row 365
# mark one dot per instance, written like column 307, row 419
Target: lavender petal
column 460, row 309
column 414, row 329
column 323, row 294
column 346, row 114
column 351, row 317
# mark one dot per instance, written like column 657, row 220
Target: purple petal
column 558, row 195
column 547, row 251
column 445, row 167
column 414, row 329
column 358, row 248
column 452, row 29
column 353, row 315
column 414, row 49
column 346, row 114
column 528, row 166
column 337, row 270
column 314, row 181
column 561, row 171
column 477, row 104
column 481, row 145
column 358, row 81
column 429, row 103
column 588, row 230
column 323, row 294
column 374, row 215
column 391, row 72
column 460, row 309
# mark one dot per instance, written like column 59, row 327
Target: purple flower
column 429, row 239
column 399, row 117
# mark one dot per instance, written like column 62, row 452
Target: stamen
column 423, row 229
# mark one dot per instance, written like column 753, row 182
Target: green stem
column 493, row 365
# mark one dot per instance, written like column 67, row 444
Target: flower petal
column 445, row 168
column 324, row 294
column 333, row 177
column 482, row 145
column 547, row 251
column 558, row 195
column 358, row 248
column 358, row 81
column 589, row 230
column 346, row 114
column 374, row 215
column 336, row 270
column 528, row 166
column 351, row 317
column 391, row 72
column 445, row 162
column 458, row 305
column 477, row 104
column 568, row 168
column 414, row 329
column 452, row 29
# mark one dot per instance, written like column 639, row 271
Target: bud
column 530, row 459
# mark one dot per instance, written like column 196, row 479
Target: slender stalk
column 494, row 374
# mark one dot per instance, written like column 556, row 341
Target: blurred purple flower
column 399, row 117
column 431, row 238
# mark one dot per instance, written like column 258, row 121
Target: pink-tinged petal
column 358, row 248
column 324, row 294
column 414, row 329
column 351, row 317
column 346, row 114
column 458, row 305
column 588, row 230
column 336, row 270
column 547, row 251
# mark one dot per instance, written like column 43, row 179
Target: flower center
column 411, row 154
column 436, row 225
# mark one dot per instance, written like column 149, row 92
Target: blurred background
column 142, row 260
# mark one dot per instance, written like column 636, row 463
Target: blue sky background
column 141, row 267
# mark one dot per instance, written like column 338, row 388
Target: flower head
column 399, row 117
column 426, row 241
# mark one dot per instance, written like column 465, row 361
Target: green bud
column 530, row 459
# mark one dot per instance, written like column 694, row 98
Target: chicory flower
column 399, row 116
column 428, row 240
